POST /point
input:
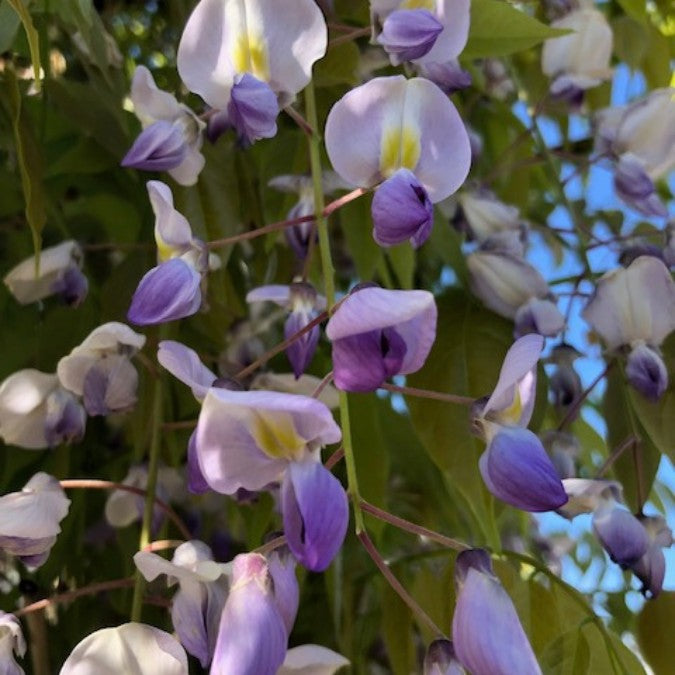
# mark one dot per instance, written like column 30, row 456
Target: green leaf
column 567, row 654
column 9, row 26
column 498, row 28
column 338, row 66
column 637, row 9
column 402, row 259
column 630, row 40
column 466, row 357
column 29, row 160
column 654, row 632
column 656, row 64
column 397, row 630
column 358, row 231
column 31, row 34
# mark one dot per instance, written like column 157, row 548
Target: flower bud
column 634, row 186
column 440, row 659
column 409, row 34
column 620, row 533
column 647, row 372
column 252, row 109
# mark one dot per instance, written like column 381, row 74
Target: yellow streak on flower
column 511, row 415
column 419, row 4
column 164, row 251
column 275, row 435
column 250, row 50
column 400, row 149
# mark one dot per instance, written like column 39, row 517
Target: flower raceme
column 248, row 58
column 378, row 333
column 408, row 138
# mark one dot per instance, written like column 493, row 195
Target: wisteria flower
column 132, row 649
column 100, row 370
column 579, row 60
column 173, row 289
column 58, row 272
column 12, row 643
column 253, row 439
column 378, row 333
column 289, row 384
column 304, row 305
column 407, row 137
column 485, row 215
column 508, row 285
column 426, row 32
column 172, row 134
column 248, row 59
column 486, row 632
column 515, row 466
column 651, row 568
column 312, row 660
column 29, row 520
column 635, row 307
column 197, row 606
column 440, row 659
column 37, row 412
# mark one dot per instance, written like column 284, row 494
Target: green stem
column 329, row 289
column 151, row 488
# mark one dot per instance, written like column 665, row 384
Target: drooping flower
column 579, row 60
column 440, row 659
column 59, row 272
column 508, row 285
column 565, row 382
column 132, row 649
column 407, row 136
column 173, row 289
column 485, row 215
column 425, row 32
column 515, row 466
column 171, row 139
column 29, row 520
column 252, row 637
column 651, row 568
column 37, row 412
column 304, row 305
column 486, row 632
column 197, row 606
column 378, row 333
column 253, row 439
column 635, row 307
column 620, row 533
column 100, row 370
column 312, row 660
column 12, row 643
column 248, row 59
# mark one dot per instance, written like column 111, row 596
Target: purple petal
column 187, row 616
column 634, row 186
column 252, row 638
column 450, row 77
column 486, row 631
column 440, row 659
column 651, row 570
column 72, row 287
column 301, row 352
column 409, row 34
column 316, row 513
column 286, row 591
column 647, row 372
column 253, row 109
column 517, row 470
column 110, row 385
column 184, row 364
column 167, row 292
column 66, row 420
column 196, row 482
column 621, row 534
column 159, row 147
column 217, row 124
column 279, row 294
column 401, row 210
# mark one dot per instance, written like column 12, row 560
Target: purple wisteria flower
column 253, row 439
column 515, row 466
column 132, row 649
column 409, row 34
column 407, row 137
column 12, row 643
column 486, row 632
column 304, row 305
column 100, row 370
column 171, row 139
column 246, row 60
column 440, row 659
column 378, row 333
column 29, row 520
column 651, row 568
column 634, row 307
column 58, row 272
column 173, row 289
column 483, row 215
column 37, row 412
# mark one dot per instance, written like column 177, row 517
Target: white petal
column 276, row 293
column 586, row 495
column 312, row 660
column 171, row 227
column 187, row 172
column 454, row 15
column 305, row 385
column 184, row 364
column 132, row 649
column 150, row 102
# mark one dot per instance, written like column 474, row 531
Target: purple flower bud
column 401, row 210
column 303, row 301
column 299, row 236
column 651, row 568
column 647, row 372
column 450, row 77
column 409, row 34
column 159, row 147
column 486, row 632
column 620, row 533
column 253, row 109
column 315, row 512
column 65, row 420
column 72, row 287
column 167, row 292
column 440, row 659
column 634, row 186
column 252, row 638
column 517, row 470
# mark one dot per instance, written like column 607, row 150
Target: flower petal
column 312, row 660
column 159, row 147
column 150, row 102
column 252, row 109
column 621, row 534
column 409, row 34
column 172, row 229
column 184, row 364
column 647, row 372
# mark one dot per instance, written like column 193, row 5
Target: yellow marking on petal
column 275, row 435
column 419, row 4
column 511, row 415
column 164, row 251
column 401, row 149
column 250, row 56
